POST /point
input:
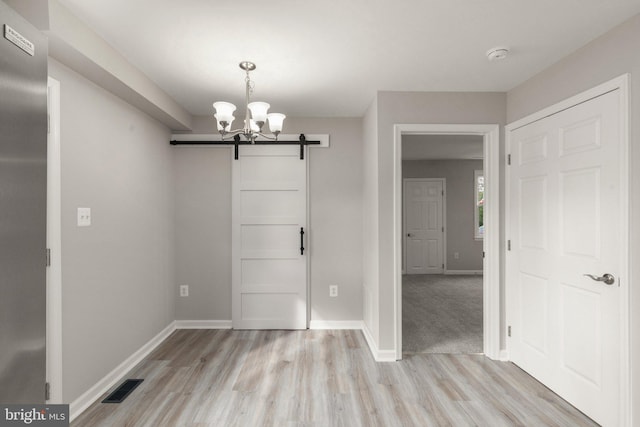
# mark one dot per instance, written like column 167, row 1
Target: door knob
column 408, row 234
column 607, row 278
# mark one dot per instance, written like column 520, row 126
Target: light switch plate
column 84, row 217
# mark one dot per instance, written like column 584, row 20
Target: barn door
column 269, row 253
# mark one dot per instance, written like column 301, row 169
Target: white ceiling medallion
column 497, row 53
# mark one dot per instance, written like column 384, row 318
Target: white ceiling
column 432, row 147
column 328, row 58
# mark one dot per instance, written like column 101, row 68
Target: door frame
column 443, row 247
column 620, row 83
column 54, row 244
column 491, row 242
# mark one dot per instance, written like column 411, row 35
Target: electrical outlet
column 184, row 290
column 333, row 290
column 456, row 255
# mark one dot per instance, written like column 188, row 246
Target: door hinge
column 47, row 391
column 443, row 192
column 509, row 331
column 508, row 245
column 509, row 159
column 483, row 254
column 443, row 229
column 48, row 255
column 48, row 124
column 442, row 265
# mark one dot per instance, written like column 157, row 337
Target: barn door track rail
column 302, row 142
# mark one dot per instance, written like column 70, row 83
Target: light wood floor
column 323, row 378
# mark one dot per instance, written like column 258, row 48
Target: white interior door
column 269, row 271
column 565, row 202
column 424, row 226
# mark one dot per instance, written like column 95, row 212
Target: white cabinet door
column 423, row 226
column 269, row 272
column 564, row 209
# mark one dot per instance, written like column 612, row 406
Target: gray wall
column 459, row 176
column 117, row 275
column 203, row 222
column 412, row 107
column 607, row 57
column 203, row 231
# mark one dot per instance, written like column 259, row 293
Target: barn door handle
column 301, row 240
column 607, row 278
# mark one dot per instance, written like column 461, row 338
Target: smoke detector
column 497, row 53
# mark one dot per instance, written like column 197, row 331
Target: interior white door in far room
column 565, row 215
column 269, row 255
column 424, row 226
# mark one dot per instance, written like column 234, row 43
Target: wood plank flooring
column 324, row 379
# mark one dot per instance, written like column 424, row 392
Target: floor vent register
column 122, row 391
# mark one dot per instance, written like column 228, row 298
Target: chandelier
column 255, row 114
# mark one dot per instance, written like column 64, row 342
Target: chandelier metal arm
column 251, row 136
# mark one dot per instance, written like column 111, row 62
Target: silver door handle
column 607, row 278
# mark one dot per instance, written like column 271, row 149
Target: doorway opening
column 491, row 315
column 443, row 230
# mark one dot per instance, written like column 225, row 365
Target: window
column 478, row 211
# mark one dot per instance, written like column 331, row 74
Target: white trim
column 443, row 247
column 619, row 83
column 476, row 217
column 90, row 396
column 203, row 324
column 626, row 368
column 336, row 324
column 323, row 138
column 378, row 355
column 464, row 272
column 491, row 242
column 54, row 243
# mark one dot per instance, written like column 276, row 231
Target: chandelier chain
column 250, row 83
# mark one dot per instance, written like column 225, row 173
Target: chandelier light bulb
column 259, row 111
column 275, row 122
column 227, row 128
column 224, row 111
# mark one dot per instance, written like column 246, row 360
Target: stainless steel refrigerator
column 23, row 194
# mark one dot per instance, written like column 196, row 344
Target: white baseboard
column 504, row 355
column 90, row 396
column 203, row 324
column 464, row 272
column 335, row 324
column 378, row 355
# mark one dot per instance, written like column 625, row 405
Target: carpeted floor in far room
column 441, row 314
